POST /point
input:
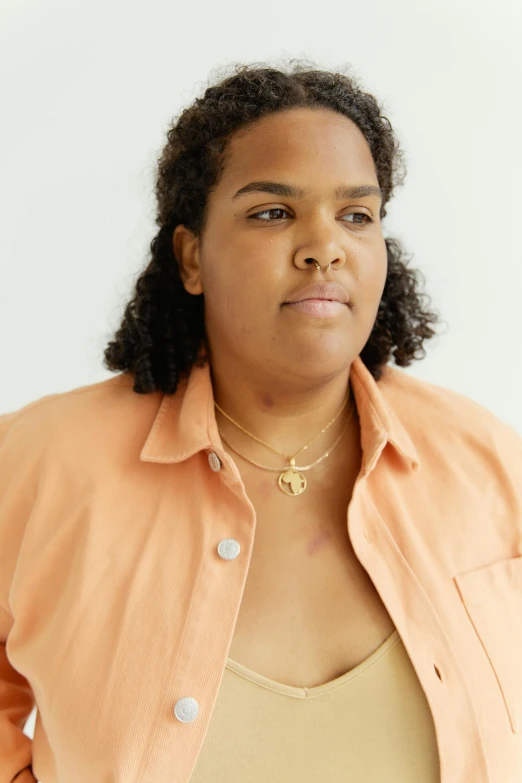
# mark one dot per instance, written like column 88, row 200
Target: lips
column 330, row 291
column 322, row 308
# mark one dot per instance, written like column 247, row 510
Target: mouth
column 319, row 308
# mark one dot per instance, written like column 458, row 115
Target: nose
column 320, row 261
column 323, row 250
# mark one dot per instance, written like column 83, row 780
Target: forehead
column 313, row 143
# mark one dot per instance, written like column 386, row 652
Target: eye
column 265, row 212
column 364, row 215
column 255, row 216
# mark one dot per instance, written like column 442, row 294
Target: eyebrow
column 293, row 191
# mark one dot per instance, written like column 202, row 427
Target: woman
column 260, row 552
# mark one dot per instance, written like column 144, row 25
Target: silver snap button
column 228, row 549
column 214, row 461
column 186, row 709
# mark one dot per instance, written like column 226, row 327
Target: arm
column 16, row 697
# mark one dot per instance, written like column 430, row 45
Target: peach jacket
column 125, row 541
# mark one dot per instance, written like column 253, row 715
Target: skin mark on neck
column 318, row 541
column 267, row 400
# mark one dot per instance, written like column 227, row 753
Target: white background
column 88, row 89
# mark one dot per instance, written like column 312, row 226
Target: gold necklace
column 291, row 480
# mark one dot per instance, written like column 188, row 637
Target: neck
column 284, row 414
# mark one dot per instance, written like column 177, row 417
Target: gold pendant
column 292, row 482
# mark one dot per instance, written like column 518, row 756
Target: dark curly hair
column 162, row 334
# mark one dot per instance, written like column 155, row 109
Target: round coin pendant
column 292, row 482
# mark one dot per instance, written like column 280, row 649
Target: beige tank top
column 371, row 724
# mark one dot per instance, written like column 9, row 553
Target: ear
column 186, row 252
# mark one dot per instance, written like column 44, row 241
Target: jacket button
column 228, row 549
column 214, row 461
column 186, row 709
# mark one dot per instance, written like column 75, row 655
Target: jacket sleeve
column 16, row 697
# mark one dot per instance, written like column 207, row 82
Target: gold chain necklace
column 291, row 480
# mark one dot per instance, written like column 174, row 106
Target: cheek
column 371, row 279
column 372, row 276
column 238, row 300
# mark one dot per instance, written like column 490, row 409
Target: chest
column 309, row 611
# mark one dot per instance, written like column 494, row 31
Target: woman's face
column 251, row 257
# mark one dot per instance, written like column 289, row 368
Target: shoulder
column 440, row 418
column 427, row 401
column 84, row 417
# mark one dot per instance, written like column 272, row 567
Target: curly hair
column 162, row 333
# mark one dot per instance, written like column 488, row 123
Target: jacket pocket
column 492, row 596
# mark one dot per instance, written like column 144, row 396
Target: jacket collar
column 185, row 422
